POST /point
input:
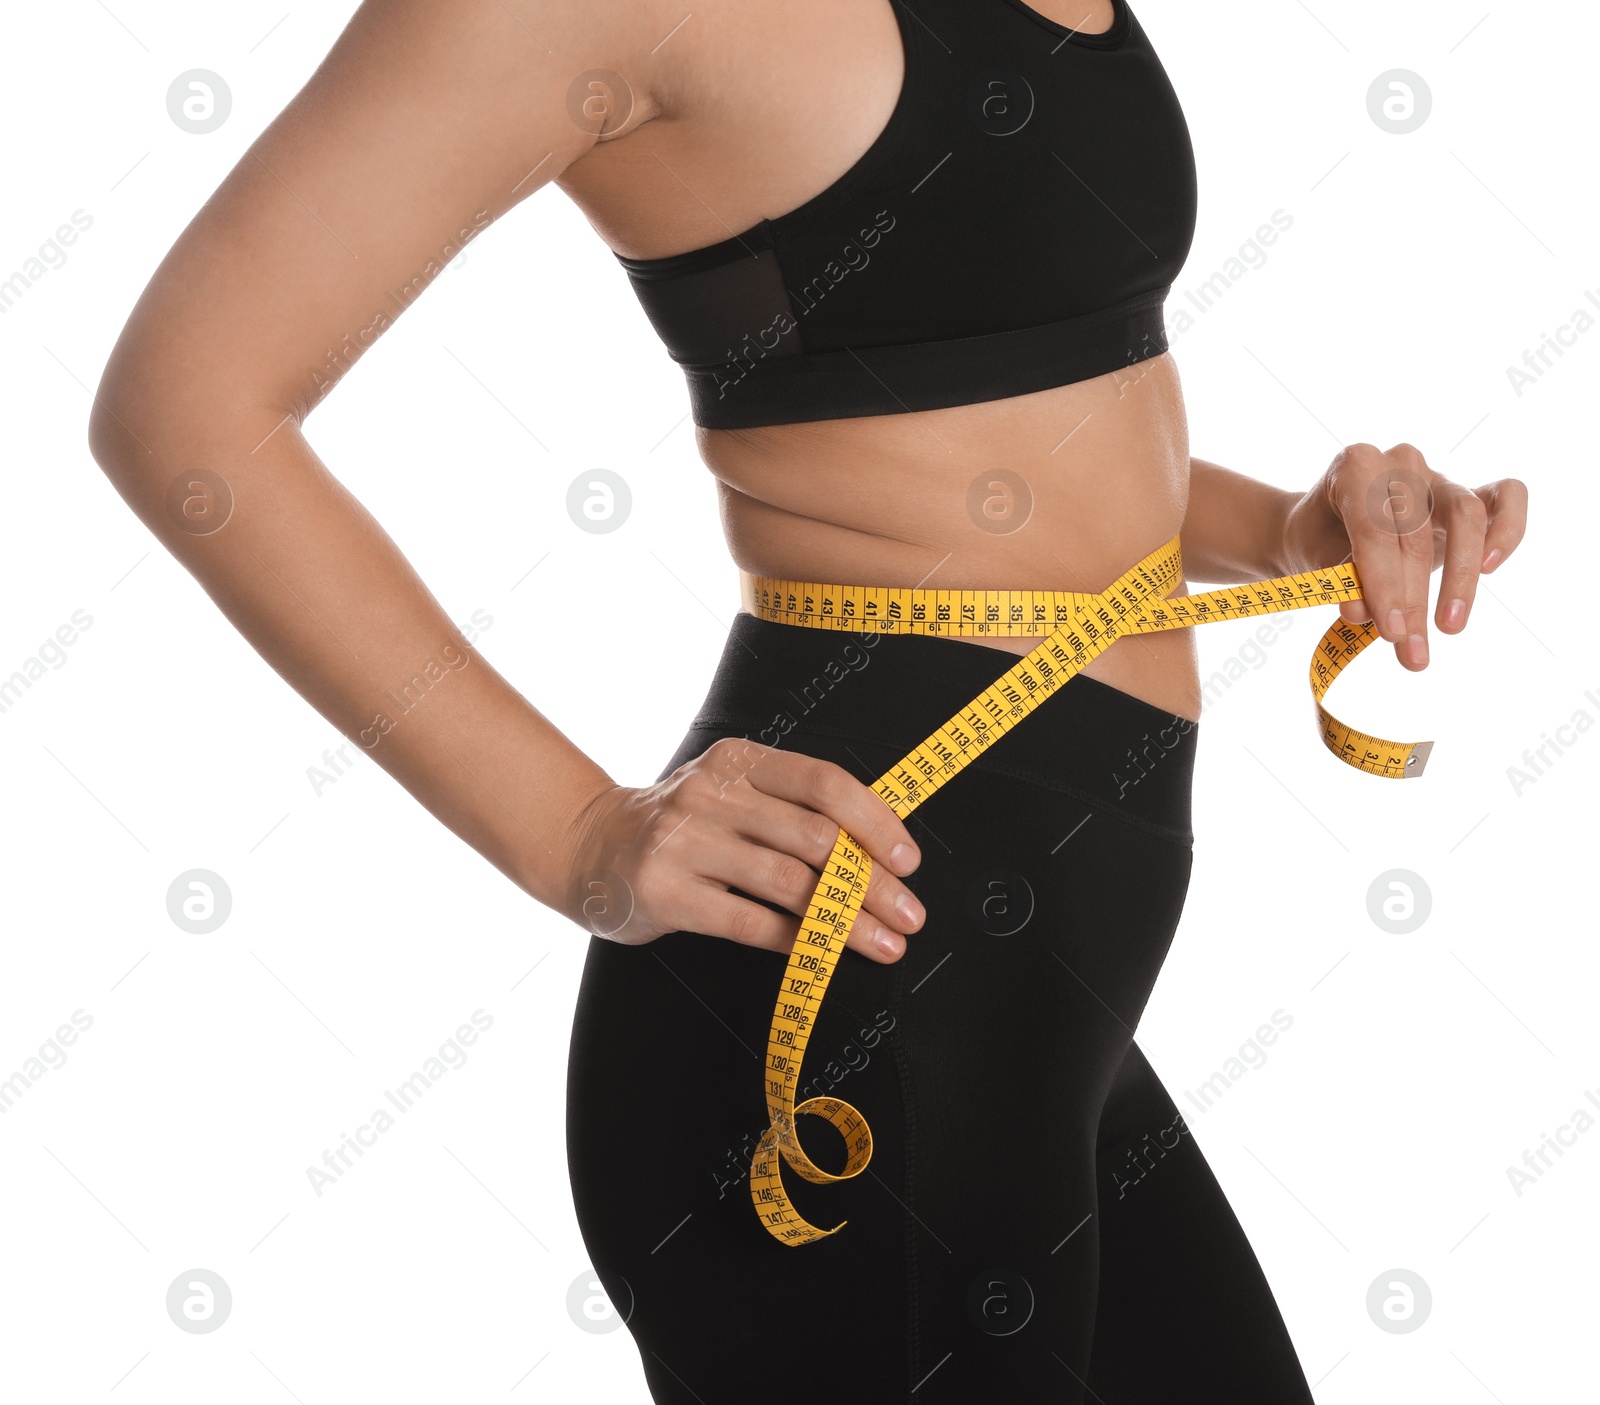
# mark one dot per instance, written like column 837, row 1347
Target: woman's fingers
column 1507, row 501
column 1482, row 528
column 831, row 790
column 1386, row 502
column 792, row 829
column 777, row 818
column 777, row 876
column 1402, row 519
column 1405, row 622
column 715, row 912
column 781, row 821
column 1465, row 521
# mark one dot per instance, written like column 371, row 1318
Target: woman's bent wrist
column 556, row 878
column 1310, row 534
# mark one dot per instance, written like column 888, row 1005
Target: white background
column 1376, row 1136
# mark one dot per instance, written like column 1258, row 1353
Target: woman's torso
column 747, row 114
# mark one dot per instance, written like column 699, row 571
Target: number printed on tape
column 1078, row 628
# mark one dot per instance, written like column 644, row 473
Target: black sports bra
column 1017, row 225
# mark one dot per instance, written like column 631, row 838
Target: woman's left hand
column 1397, row 519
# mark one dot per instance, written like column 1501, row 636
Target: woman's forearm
column 325, row 596
column 1233, row 530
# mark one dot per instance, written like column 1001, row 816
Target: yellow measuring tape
column 1078, row 628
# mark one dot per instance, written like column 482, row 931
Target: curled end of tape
column 1418, row 760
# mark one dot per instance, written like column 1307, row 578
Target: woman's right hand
column 661, row 858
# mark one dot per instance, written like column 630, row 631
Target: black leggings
column 1037, row 1222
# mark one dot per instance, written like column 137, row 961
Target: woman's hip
column 1054, row 870
column 789, row 686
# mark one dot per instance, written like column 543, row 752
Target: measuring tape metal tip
column 1417, row 762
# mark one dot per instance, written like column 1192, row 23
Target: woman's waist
column 1052, row 490
column 1063, row 490
column 883, row 694
column 929, row 577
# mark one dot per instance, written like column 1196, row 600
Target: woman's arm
column 430, row 118
column 1233, row 530
column 1387, row 512
column 426, row 121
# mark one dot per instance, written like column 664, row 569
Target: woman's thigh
column 1054, row 916
column 1184, row 1313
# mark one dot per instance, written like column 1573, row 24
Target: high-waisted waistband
column 778, row 681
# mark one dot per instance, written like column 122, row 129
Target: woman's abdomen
column 1064, row 489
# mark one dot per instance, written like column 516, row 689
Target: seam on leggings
column 909, row 1128
column 1185, row 838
